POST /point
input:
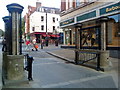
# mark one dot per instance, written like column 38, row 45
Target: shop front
column 43, row 36
column 89, row 32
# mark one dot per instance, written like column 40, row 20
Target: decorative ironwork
column 90, row 58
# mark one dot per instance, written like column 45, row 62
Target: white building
column 45, row 20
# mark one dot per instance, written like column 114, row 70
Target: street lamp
column 46, row 39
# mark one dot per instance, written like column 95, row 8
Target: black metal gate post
column 28, row 67
column 30, row 60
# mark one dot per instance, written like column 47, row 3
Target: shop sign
column 109, row 9
column 86, row 16
column 67, row 22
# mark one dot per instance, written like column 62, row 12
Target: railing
column 90, row 57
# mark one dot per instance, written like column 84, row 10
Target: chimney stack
column 38, row 4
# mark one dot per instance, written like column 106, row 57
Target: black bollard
column 29, row 67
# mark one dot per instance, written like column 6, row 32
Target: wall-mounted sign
column 67, row 22
column 109, row 9
column 86, row 16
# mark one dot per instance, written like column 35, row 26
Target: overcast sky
column 24, row 3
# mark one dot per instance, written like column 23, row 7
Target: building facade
column 44, row 22
column 88, row 13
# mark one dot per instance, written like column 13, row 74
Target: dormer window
column 52, row 11
column 40, row 9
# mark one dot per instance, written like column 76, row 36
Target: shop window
column 117, row 31
column 113, row 31
column 90, row 37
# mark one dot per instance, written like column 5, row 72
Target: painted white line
column 74, row 81
column 47, row 63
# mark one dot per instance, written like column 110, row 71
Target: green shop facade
column 84, row 30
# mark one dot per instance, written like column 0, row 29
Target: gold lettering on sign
column 112, row 9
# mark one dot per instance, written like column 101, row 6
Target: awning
column 39, row 33
column 44, row 35
column 54, row 35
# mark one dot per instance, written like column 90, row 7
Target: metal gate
column 90, row 45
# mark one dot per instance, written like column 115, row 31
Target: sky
column 4, row 12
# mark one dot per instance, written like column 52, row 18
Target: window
column 42, row 27
column 58, row 27
column 70, row 3
column 90, row 0
column 42, row 18
column 52, row 11
column 40, row 10
column 33, row 28
column 53, row 19
column 77, row 3
column 57, row 19
column 53, row 28
column 80, row 2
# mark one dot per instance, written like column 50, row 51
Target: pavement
column 68, row 55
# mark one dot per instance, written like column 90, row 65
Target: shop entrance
column 37, row 38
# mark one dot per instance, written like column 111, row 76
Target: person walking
column 42, row 43
column 35, row 46
column 27, row 45
column 56, row 42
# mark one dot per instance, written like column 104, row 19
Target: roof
column 48, row 9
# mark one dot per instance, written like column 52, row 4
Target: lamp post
column 56, row 41
column 46, row 39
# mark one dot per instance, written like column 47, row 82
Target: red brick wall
column 63, row 5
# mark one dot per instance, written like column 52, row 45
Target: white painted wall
column 35, row 21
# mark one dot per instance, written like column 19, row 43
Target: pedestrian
column 27, row 45
column 35, row 46
column 46, row 41
column 56, row 42
column 4, row 48
column 42, row 43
